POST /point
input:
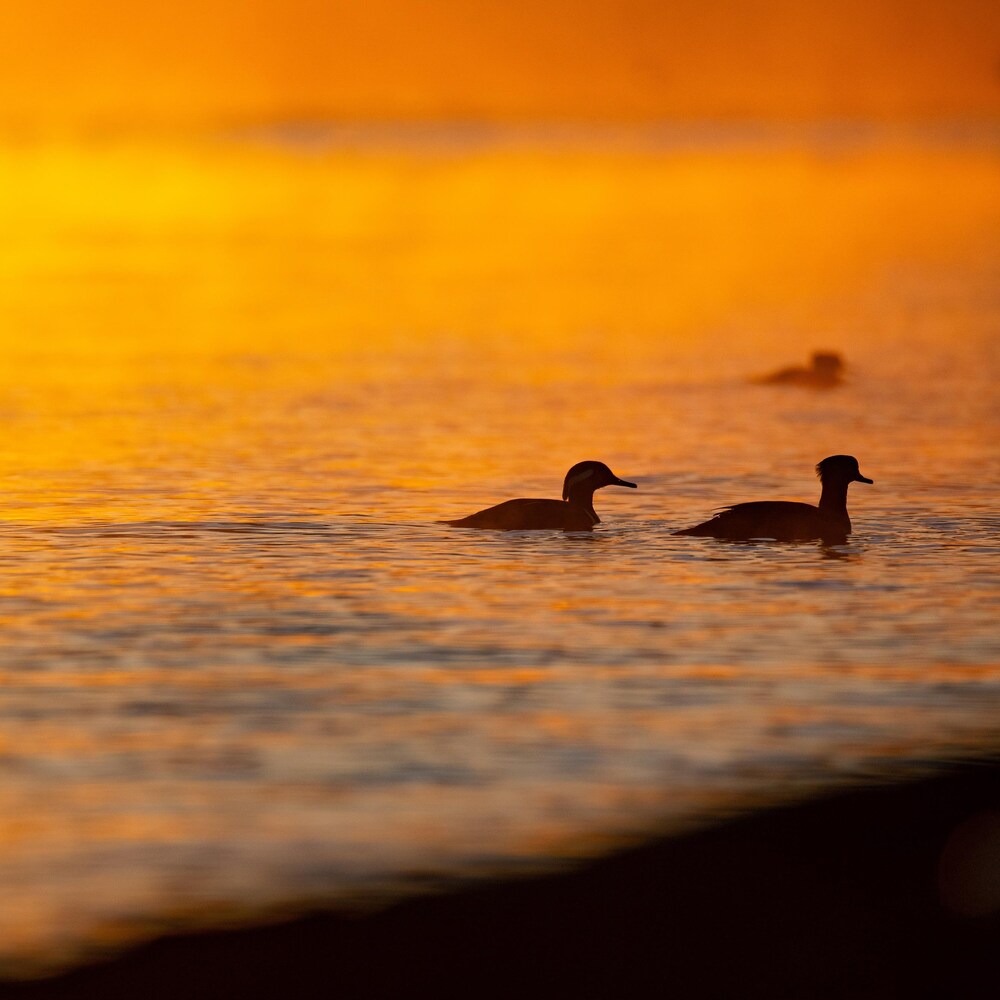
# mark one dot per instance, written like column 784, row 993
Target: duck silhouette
column 786, row 520
column 575, row 512
column 825, row 371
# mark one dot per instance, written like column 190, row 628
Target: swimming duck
column 575, row 512
column 825, row 372
column 786, row 520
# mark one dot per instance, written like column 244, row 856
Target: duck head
column 585, row 477
column 827, row 363
column 841, row 469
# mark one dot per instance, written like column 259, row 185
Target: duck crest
column 572, row 481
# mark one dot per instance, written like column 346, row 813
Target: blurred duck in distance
column 789, row 521
column 826, row 370
column 575, row 512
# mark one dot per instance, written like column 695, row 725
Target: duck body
column 526, row 514
column 575, row 512
column 825, row 372
column 788, row 520
column 782, row 520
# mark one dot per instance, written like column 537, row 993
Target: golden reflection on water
column 331, row 248
column 159, row 299
column 241, row 667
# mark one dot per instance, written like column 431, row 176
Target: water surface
column 243, row 671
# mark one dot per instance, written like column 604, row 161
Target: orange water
column 242, row 668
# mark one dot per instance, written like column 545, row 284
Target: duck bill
column 861, row 479
column 623, row 482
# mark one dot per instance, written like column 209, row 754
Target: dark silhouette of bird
column 825, row 371
column 575, row 512
column 786, row 520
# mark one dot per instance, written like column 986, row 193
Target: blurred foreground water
column 242, row 670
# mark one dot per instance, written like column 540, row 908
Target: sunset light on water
column 253, row 357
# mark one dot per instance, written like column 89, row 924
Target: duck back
column 783, row 520
column 825, row 372
column 529, row 514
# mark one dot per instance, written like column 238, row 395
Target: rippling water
column 242, row 668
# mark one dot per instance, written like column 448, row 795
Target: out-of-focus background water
column 244, row 672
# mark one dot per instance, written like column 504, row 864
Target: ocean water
column 244, row 672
